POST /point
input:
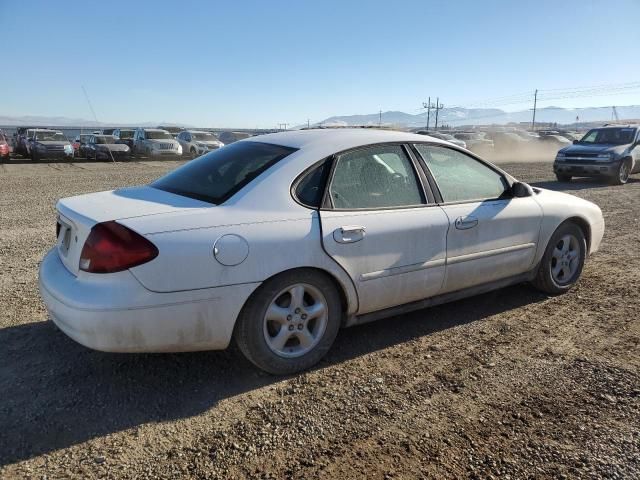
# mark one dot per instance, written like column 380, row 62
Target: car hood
column 114, row 147
column 53, row 142
column 578, row 149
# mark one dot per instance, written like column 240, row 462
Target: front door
column 381, row 229
column 492, row 235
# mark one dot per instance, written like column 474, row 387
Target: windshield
column 50, row 137
column 158, row 135
column 609, row 136
column 105, row 139
column 205, row 137
column 124, row 134
column 218, row 175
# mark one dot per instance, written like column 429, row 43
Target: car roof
column 628, row 125
column 336, row 140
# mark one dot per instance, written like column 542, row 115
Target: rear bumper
column 115, row 313
column 586, row 169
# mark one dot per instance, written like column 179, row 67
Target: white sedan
column 281, row 240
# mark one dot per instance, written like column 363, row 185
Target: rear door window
column 381, row 176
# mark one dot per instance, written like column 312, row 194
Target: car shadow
column 56, row 393
column 577, row 184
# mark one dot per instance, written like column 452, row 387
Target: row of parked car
column 489, row 143
column 116, row 144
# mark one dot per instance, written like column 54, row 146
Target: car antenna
column 94, row 117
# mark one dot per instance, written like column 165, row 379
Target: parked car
column 476, row 142
column 21, row 141
column 256, row 241
column 230, row 137
column 155, row 143
column 556, row 141
column 443, row 136
column 104, row 147
column 125, row 136
column 508, row 141
column 5, row 149
column 46, row 143
column 610, row 152
column 79, row 144
column 173, row 130
column 198, row 143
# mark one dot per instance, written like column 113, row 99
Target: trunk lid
column 77, row 215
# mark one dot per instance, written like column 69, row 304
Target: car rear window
column 218, row 175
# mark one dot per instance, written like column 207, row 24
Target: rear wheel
column 290, row 322
column 563, row 260
column 562, row 177
column 622, row 174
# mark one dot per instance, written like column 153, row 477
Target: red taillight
column 112, row 247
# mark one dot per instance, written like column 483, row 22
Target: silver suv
column 154, row 142
column 197, row 142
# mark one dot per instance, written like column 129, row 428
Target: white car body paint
column 185, row 299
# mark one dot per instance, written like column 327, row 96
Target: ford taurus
column 279, row 241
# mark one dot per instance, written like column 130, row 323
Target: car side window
column 461, row 177
column 380, row 176
column 310, row 188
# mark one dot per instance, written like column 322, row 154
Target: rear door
column 492, row 235
column 380, row 224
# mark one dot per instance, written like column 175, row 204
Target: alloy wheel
column 565, row 259
column 296, row 320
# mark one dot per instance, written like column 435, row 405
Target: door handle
column 349, row 234
column 466, row 223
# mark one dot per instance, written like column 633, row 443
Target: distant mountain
column 43, row 121
column 457, row 116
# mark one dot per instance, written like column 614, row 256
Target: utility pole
column 380, row 118
column 439, row 106
column 308, row 123
column 428, row 106
column 535, row 102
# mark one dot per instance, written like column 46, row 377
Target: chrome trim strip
column 489, row 253
column 388, row 272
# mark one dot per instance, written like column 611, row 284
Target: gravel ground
column 511, row 384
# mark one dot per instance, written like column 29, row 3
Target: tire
column 563, row 177
column 193, row 153
column 259, row 337
column 622, row 173
column 556, row 259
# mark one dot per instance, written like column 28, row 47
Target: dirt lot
column 510, row 384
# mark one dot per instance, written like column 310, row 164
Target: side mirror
column 576, row 141
column 521, row 189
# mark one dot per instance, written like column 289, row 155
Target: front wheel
column 562, row 261
column 290, row 322
column 622, row 174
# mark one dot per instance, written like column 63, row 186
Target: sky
column 257, row 64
